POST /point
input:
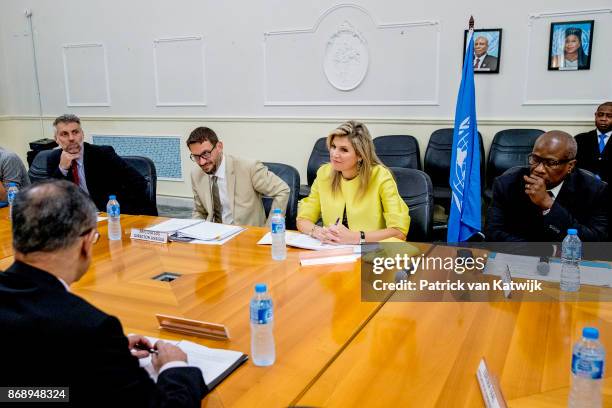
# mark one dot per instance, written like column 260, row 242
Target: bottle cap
column 12, row 184
column 277, row 211
column 590, row 333
column 112, row 197
column 572, row 231
column 261, row 288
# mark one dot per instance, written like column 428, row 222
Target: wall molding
column 551, row 122
column 555, row 102
column 373, row 102
column 159, row 103
column 69, row 102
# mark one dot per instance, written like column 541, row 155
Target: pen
column 337, row 221
column 145, row 348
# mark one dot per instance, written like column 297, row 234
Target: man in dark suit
column 482, row 60
column 542, row 201
column 98, row 170
column 594, row 147
column 52, row 337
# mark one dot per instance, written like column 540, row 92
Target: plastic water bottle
column 262, row 321
column 114, row 218
column 571, row 252
column 587, row 370
column 10, row 196
column 277, row 227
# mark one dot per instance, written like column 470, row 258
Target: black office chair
column 318, row 157
column 415, row 188
column 292, row 177
column 437, row 164
column 38, row 168
column 398, row 151
column 509, row 148
column 146, row 168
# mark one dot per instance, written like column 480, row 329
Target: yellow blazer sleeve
column 395, row 210
column 310, row 207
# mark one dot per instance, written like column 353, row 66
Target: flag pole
column 471, row 23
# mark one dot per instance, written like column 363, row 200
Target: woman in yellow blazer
column 355, row 194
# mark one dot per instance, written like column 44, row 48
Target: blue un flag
column 464, row 219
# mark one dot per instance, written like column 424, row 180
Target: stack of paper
column 197, row 231
column 215, row 364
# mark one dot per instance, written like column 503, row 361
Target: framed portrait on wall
column 571, row 44
column 487, row 50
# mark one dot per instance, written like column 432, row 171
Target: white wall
column 235, row 54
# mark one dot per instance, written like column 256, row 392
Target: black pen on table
column 337, row 221
column 140, row 346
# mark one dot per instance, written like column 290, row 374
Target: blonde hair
column 359, row 136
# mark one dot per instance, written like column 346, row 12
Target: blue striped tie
column 602, row 142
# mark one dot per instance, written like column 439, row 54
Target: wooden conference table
column 332, row 348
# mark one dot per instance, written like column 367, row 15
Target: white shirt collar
column 220, row 173
column 63, row 282
column 605, row 134
column 555, row 190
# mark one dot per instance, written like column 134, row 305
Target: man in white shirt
column 594, row 147
column 228, row 189
column 482, row 60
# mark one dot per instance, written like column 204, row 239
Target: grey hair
column 67, row 118
column 51, row 215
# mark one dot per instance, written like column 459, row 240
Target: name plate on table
column 146, row 235
column 489, row 387
column 193, row 327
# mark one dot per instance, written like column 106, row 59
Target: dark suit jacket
column 106, row 173
column 489, row 63
column 582, row 203
column 51, row 337
column 590, row 159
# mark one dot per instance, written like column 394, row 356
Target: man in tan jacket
column 227, row 189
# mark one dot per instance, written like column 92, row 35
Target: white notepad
column 215, row 364
column 298, row 240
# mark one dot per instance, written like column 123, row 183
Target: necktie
column 476, row 62
column 216, row 201
column 602, row 142
column 74, row 168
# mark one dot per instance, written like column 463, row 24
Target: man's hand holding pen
column 161, row 353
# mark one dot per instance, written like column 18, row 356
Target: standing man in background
column 97, row 170
column 12, row 170
column 594, row 147
column 228, row 189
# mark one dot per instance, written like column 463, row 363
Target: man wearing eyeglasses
column 541, row 202
column 594, row 147
column 228, row 189
column 53, row 338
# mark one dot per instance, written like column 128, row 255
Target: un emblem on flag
column 346, row 58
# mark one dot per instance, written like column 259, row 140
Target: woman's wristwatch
column 362, row 237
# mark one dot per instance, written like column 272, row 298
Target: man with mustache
column 97, row 170
column 541, row 202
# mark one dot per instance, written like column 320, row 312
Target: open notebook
column 299, row 240
column 188, row 229
column 216, row 364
